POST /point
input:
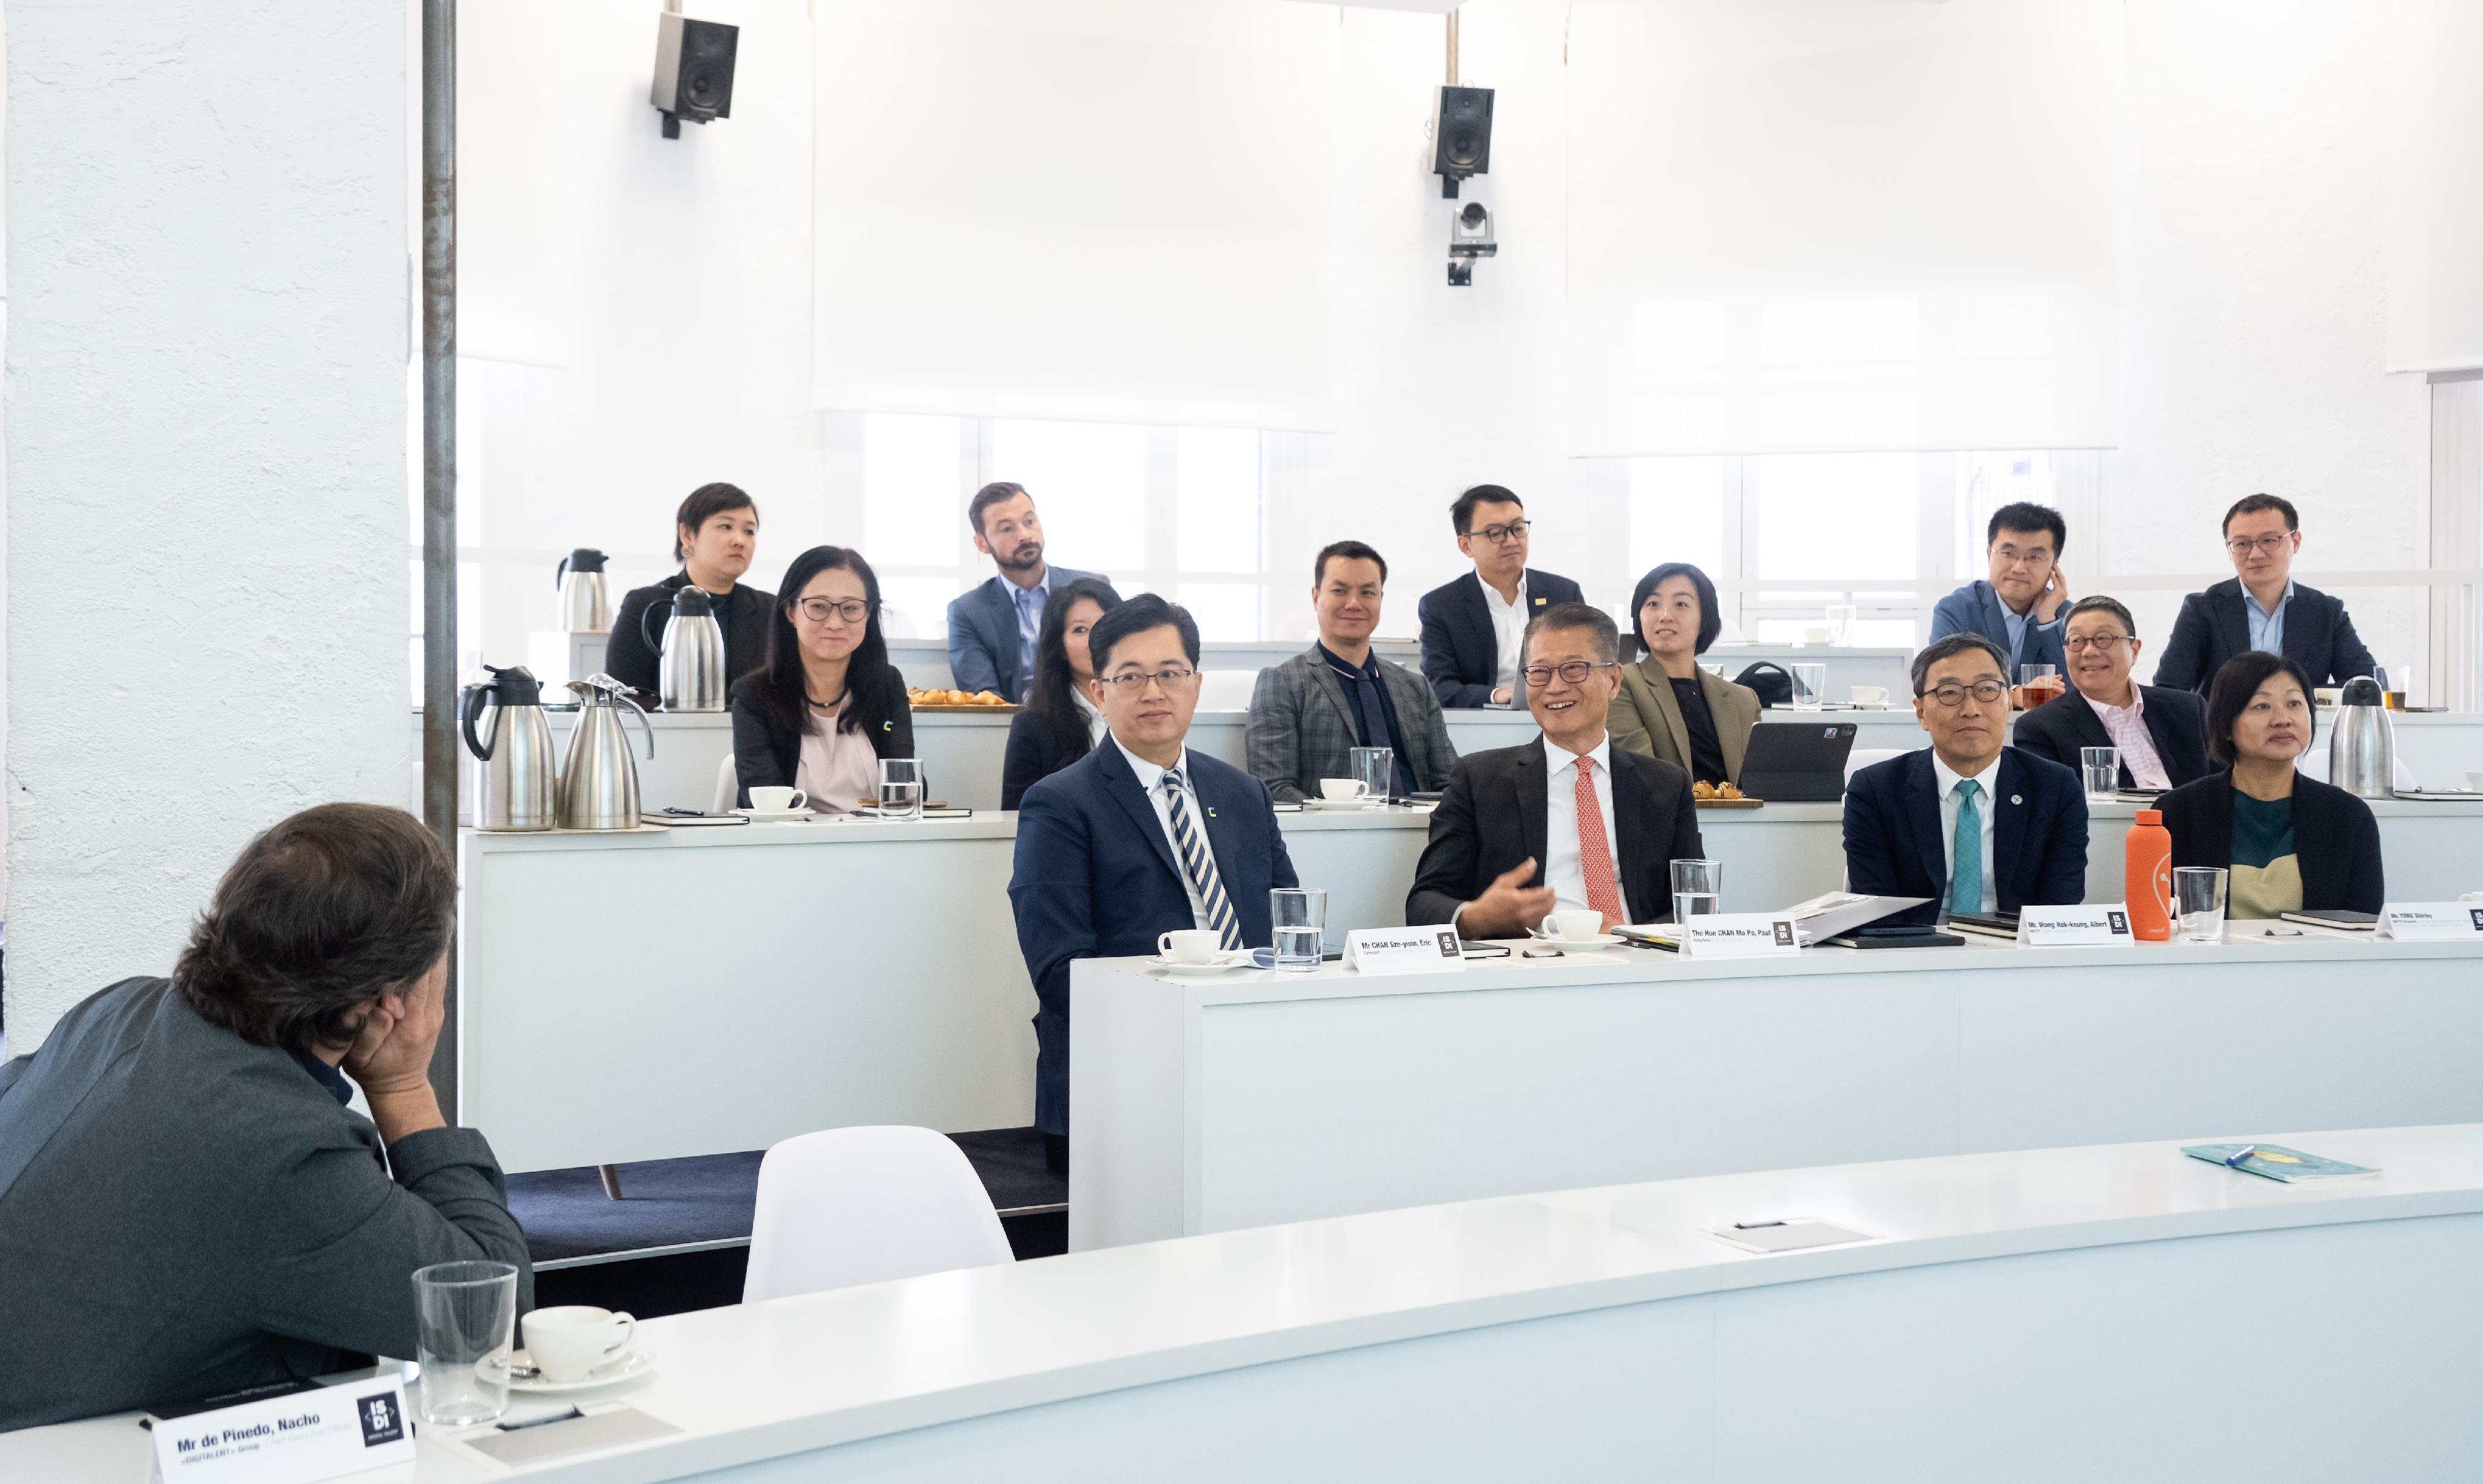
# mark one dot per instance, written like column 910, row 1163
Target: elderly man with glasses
column 1472, row 626
column 1974, row 825
column 2261, row 608
column 1141, row 836
column 1566, row 820
column 2160, row 733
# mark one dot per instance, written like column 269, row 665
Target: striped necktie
column 1199, row 862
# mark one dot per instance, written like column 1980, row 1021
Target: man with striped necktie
column 1141, row 836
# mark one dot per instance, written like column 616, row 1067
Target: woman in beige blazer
column 1668, row 705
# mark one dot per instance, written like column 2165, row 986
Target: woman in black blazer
column 2290, row 843
column 1059, row 723
column 826, row 686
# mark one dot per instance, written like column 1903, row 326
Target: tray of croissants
column 919, row 699
column 1721, row 796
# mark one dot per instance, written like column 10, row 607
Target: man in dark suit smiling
column 1141, row 836
column 2261, row 608
column 1471, row 627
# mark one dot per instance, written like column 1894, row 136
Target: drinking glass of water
column 2198, row 896
column 2103, row 768
column 1697, row 889
column 1374, row 768
column 1810, row 685
column 1300, row 918
column 900, row 788
column 464, row 1320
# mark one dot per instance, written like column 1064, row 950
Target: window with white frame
column 1171, row 510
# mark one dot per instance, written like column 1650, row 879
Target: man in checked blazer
column 1310, row 712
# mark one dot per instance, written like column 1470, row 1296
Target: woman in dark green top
column 2290, row 843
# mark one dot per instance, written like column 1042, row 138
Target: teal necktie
column 1966, row 852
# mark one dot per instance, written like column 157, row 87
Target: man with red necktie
column 1565, row 820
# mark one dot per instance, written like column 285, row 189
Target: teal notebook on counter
column 2274, row 1162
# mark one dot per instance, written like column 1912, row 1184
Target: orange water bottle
column 2147, row 875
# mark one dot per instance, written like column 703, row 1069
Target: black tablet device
column 1797, row 762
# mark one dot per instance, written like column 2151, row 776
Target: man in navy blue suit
column 1474, row 627
column 1139, row 838
column 1975, row 826
column 2262, row 608
column 2019, row 606
column 992, row 627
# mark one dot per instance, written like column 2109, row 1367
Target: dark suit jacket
column 2335, row 840
column 1460, row 652
column 2212, row 629
column 1095, row 878
column 1036, row 751
column 2176, row 720
column 1976, row 609
column 1494, row 813
column 768, row 757
column 1893, row 844
column 982, row 633
column 630, row 660
column 183, row 1213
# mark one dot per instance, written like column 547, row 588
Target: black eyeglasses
column 1503, row 535
column 1575, row 671
column 2103, row 642
column 2271, row 543
column 1134, row 683
column 854, row 610
column 1953, row 695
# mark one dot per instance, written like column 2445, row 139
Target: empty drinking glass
column 1300, row 918
column 465, row 1318
column 900, row 788
column 2199, row 896
column 1810, row 685
column 1697, row 889
column 1840, row 623
column 2102, row 766
column 1374, row 768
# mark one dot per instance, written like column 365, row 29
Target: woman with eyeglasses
column 2290, row 843
column 828, row 705
column 1060, row 721
column 1668, row 707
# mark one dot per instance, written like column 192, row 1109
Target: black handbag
column 1770, row 680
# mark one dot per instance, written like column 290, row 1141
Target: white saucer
column 635, row 1362
column 758, row 816
column 1599, row 941
column 1239, row 958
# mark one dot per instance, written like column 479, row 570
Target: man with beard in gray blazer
column 1310, row 712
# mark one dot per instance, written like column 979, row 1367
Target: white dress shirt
column 1986, row 781
column 1509, row 632
column 1097, row 728
column 1565, row 868
column 1151, row 778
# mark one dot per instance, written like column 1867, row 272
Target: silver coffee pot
column 514, row 781
column 585, row 603
column 599, row 778
column 2361, row 743
column 691, row 675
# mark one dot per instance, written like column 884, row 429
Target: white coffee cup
column 1571, row 924
column 778, row 801
column 1189, row 945
column 1870, row 695
column 571, row 1340
column 1340, row 790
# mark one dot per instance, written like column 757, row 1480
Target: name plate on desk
column 1406, row 950
column 1739, row 935
column 2432, row 921
column 2055, row 927
column 300, row 1438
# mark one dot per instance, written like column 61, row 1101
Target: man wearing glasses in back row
column 1975, row 826
column 2262, row 608
column 1474, row 627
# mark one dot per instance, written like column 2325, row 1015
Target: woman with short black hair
column 716, row 535
column 1669, row 707
column 2290, row 843
column 828, row 704
column 1061, row 723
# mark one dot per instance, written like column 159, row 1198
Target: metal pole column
column 440, row 468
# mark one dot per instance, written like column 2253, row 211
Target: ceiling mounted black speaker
column 1462, row 141
column 693, row 70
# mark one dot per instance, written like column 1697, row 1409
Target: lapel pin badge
column 2014, row 799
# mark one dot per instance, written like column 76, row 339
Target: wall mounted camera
column 1470, row 237
column 693, row 70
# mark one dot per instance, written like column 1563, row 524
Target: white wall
column 2252, row 321
column 206, row 482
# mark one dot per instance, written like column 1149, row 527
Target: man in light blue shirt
column 2267, row 628
column 992, row 627
column 2021, row 606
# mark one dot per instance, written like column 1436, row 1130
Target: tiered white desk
column 2118, row 1312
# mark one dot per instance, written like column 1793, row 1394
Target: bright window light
column 1089, row 484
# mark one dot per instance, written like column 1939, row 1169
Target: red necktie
column 1594, row 855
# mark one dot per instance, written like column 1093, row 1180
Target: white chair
column 1864, row 756
column 728, row 787
column 1226, row 690
column 855, row 1206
